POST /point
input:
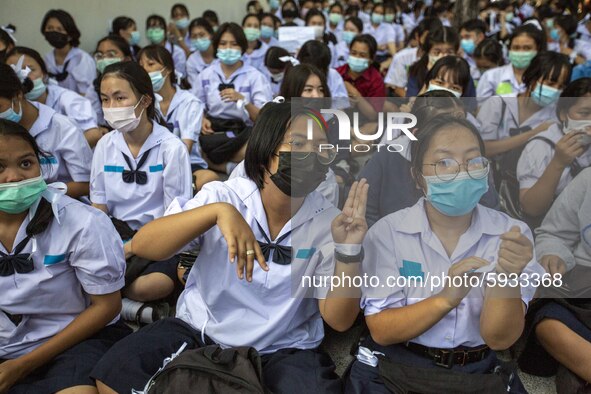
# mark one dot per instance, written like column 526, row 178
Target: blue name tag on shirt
column 411, row 269
column 305, row 253
column 51, row 259
column 113, row 169
column 47, row 160
column 157, row 168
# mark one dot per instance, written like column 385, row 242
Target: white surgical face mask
column 572, row 125
column 123, row 118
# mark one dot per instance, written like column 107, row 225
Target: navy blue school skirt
column 72, row 367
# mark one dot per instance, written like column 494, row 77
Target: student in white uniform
column 392, row 18
column 109, row 50
column 61, row 269
column 509, row 122
column 255, row 53
column 126, row 28
column 203, row 55
column 397, row 75
column 551, row 160
column 472, row 33
column 426, row 332
column 352, row 28
column 269, row 306
column 383, row 33
column 182, row 111
column 277, row 62
column 268, row 32
column 138, row 169
column 64, row 101
column 563, row 34
column 317, row 54
column 335, row 23
column 157, row 34
column 179, row 26
column 69, row 65
column 231, row 91
column 290, row 14
column 524, row 44
column 68, row 154
column 317, row 20
column 487, row 55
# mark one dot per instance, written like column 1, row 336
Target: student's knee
column 150, row 287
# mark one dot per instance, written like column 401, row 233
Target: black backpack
column 210, row 369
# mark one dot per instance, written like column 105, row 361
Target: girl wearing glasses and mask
column 138, row 169
column 440, row 337
column 273, row 215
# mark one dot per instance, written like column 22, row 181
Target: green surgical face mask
column 521, row 59
column 17, row 197
column 155, row 35
column 103, row 63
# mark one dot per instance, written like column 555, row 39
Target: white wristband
column 348, row 249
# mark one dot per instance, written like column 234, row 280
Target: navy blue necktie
column 18, row 262
column 61, row 76
column 282, row 254
column 137, row 176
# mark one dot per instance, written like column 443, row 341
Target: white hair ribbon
column 291, row 59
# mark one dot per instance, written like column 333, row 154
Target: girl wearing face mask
column 440, row 42
column 181, row 111
column 317, row 20
column 137, row 170
column 335, row 20
column 290, row 14
column 126, row 28
column 268, row 32
column 69, row 65
column 203, row 55
column 179, row 27
column 61, row 269
column 563, row 33
column 551, row 160
column 233, row 93
column 255, row 53
column 251, row 213
column 362, row 79
column 353, row 26
column 392, row 16
column 109, row 50
column 445, row 234
column 487, row 55
column 384, row 34
column 69, row 154
column 397, row 76
column 392, row 186
column 63, row 101
column 508, row 122
column 524, row 44
column 452, row 74
column 156, row 34
column 277, row 62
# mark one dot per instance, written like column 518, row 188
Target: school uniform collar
column 155, row 138
column 507, row 75
column 71, row 53
column 177, row 99
column 247, row 191
column 43, row 119
column 217, row 68
column 544, row 113
column 417, row 222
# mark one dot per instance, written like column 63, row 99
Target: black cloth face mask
column 56, row 39
column 299, row 173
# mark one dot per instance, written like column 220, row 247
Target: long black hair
column 44, row 214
